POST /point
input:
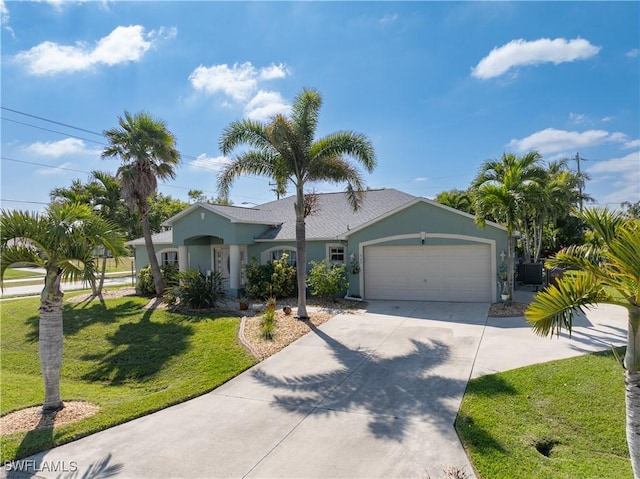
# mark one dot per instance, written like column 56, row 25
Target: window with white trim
column 168, row 258
column 335, row 253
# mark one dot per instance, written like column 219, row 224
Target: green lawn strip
column 12, row 273
column 123, row 265
column 126, row 360
column 562, row 419
column 39, row 281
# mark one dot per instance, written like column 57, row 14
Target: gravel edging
column 243, row 339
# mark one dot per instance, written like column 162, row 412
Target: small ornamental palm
column 609, row 273
column 64, row 242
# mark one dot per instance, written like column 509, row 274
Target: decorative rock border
column 244, row 341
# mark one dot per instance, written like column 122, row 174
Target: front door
column 221, row 261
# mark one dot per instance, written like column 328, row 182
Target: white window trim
column 336, row 245
column 168, row 250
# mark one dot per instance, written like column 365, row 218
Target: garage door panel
column 428, row 273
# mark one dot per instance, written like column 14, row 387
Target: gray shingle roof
column 164, row 237
column 334, row 217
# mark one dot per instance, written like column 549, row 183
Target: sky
column 438, row 87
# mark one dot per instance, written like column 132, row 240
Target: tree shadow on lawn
column 139, row 350
column 78, row 316
column 393, row 391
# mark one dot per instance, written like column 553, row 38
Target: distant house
column 396, row 246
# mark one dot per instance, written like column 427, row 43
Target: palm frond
column 249, row 132
column 256, row 163
column 304, row 115
column 554, row 307
column 355, row 145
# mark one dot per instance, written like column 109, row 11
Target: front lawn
column 562, row 419
column 22, row 273
column 124, row 359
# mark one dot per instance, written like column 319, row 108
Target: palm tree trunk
column 526, row 242
column 301, row 253
column 632, row 389
column 158, row 280
column 50, row 340
column 510, row 272
column 103, row 272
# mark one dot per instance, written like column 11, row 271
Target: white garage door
column 428, row 273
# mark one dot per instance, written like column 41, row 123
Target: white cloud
column 208, row 163
column 239, row 81
column 4, row 13
column 633, row 53
column 274, row 72
column 389, row 19
column 122, row 45
column 53, row 170
column 551, row 140
column 520, row 52
column 607, row 119
column 632, row 144
column 265, row 105
column 56, row 149
column 420, row 178
column 622, row 176
column 577, row 117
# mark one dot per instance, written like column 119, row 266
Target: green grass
column 124, row 265
column 128, row 361
column 12, row 273
column 574, row 407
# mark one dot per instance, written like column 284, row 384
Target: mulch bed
column 502, row 310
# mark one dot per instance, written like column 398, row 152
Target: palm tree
column 107, row 202
column 148, row 153
column 63, row 242
column 502, row 189
column 285, row 150
column 609, row 274
column 460, row 200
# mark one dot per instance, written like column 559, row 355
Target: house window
column 168, row 258
column 335, row 253
column 276, row 254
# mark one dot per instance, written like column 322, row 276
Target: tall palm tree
column 148, row 153
column 609, row 274
column 502, row 189
column 285, row 149
column 63, row 242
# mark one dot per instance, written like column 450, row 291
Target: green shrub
column 268, row 324
column 276, row 278
column 196, row 290
column 327, row 279
column 145, row 285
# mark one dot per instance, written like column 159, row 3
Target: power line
column 53, row 131
column 23, row 201
column 51, row 121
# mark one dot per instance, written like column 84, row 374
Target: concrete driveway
column 365, row 395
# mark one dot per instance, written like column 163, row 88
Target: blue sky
column 438, row 87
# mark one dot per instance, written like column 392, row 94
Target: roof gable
column 414, row 202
